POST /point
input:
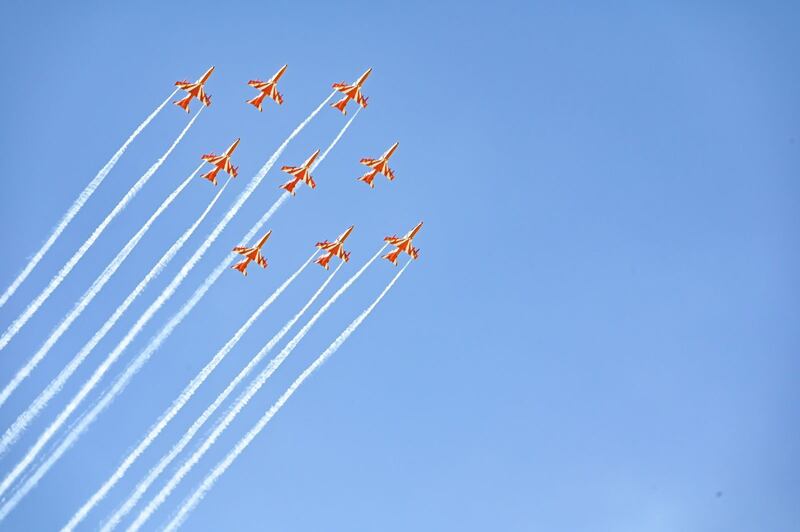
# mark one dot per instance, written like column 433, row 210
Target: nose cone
column 207, row 75
column 235, row 144
column 364, row 76
column 346, row 233
column 280, row 72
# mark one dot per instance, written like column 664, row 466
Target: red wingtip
column 392, row 256
column 242, row 267
column 256, row 102
column 368, row 178
column 289, row 187
column 341, row 105
column 184, row 103
column 323, row 261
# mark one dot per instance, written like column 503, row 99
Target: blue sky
column 600, row 334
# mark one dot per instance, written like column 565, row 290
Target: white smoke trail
column 78, row 204
column 254, row 386
column 198, row 294
column 134, row 367
column 194, row 499
column 182, row 399
column 89, row 295
column 76, row 361
column 31, row 309
column 165, row 460
column 122, row 381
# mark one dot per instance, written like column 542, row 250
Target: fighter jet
column 300, row 173
column 221, row 162
column 251, row 254
column 195, row 90
column 334, row 249
column 403, row 245
column 351, row 92
column 378, row 165
column 267, row 88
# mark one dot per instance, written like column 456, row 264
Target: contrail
column 90, row 294
column 28, row 313
column 192, row 501
column 134, row 367
column 183, row 398
column 65, row 373
column 78, row 204
column 153, row 474
column 243, row 399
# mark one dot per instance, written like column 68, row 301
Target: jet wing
column 241, row 250
column 372, row 163
column 342, row 87
column 212, row 158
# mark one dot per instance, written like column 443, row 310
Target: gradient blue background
column 601, row 333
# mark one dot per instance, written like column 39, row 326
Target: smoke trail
column 76, row 361
column 28, row 313
column 122, row 381
column 153, row 474
column 243, row 399
column 182, row 399
column 192, row 501
column 221, row 267
column 89, row 295
column 78, row 204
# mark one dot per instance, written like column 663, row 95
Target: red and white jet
column 221, row 162
column 195, row 90
column 334, row 249
column 300, row 173
column 267, row 88
column 251, row 254
column 351, row 92
column 380, row 165
column 403, row 244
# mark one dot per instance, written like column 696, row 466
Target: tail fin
column 256, row 102
column 392, row 256
column 323, row 261
column 341, row 104
column 184, row 104
column 242, row 267
column 289, row 186
column 211, row 176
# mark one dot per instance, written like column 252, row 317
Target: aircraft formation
column 23, row 477
column 302, row 173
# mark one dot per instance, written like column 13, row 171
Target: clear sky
column 601, row 333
